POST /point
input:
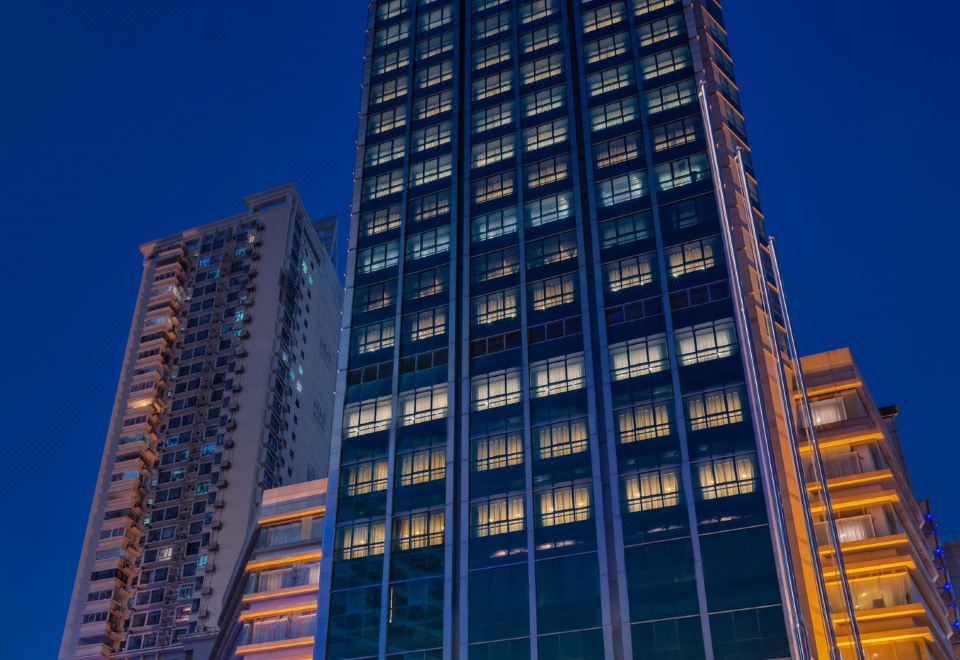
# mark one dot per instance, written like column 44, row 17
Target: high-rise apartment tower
column 225, row 390
column 564, row 425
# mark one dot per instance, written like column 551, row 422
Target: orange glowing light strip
column 884, row 613
column 882, row 638
column 283, row 561
column 854, row 480
column 293, row 609
column 874, row 565
column 292, row 591
column 843, row 440
column 274, row 646
column 830, row 388
column 868, row 544
column 293, row 515
column 882, row 498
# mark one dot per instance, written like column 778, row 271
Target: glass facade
column 550, row 442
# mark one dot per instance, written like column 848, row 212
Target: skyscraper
column 564, row 425
column 225, row 390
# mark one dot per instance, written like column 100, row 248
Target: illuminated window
column 493, row 307
column 431, row 137
column 560, row 438
column 610, row 80
column 645, row 421
column 378, row 257
column 546, row 172
column 493, row 187
column 373, row 337
column 395, row 60
column 490, row 55
column 430, row 170
column 493, row 25
column 665, row 62
column 367, row 416
column 429, row 207
column 435, row 45
column 601, row 17
column 552, row 249
column 726, row 477
column 387, row 120
column 382, row 185
column 536, row 10
column 493, row 117
column 563, row 504
column 629, row 272
column 552, row 292
column 384, row 152
column 498, row 83
column 392, row 34
column 543, row 101
column 556, row 375
column 638, row 357
column 497, row 451
column 432, row 20
column 390, row 9
column 671, row 96
column 602, row 49
column 623, row 188
column 364, row 478
column 389, row 90
column 495, row 389
column 531, row 42
column 360, row 540
column 543, row 211
column 541, row 69
column 494, row 151
column 661, row 30
column 435, row 74
column 496, row 264
column 494, row 225
column 425, row 283
column 422, row 405
column 428, row 243
column 423, row 325
column 374, row 297
column 618, row 151
column 379, row 221
column 642, row 7
column 422, row 529
column 715, row 408
column 613, row 114
column 676, row 133
column 652, row 490
column 497, row 515
column 682, row 172
column 706, row 341
column 433, row 105
column 545, row 135
column 423, row 466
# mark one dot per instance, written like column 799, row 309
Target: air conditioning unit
column 213, row 547
column 236, row 389
column 228, row 443
column 206, row 591
column 203, row 614
column 234, row 407
column 216, row 524
column 222, row 483
column 218, row 504
column 225, row 465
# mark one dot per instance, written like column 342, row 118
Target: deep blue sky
column 125, row 121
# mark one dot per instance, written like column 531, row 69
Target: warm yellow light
column 868, row 544
column 873, row 565
column 291, row 591
column 843, row 440
column 884, row 613
column 887, row 497
column 293, row 515
column 854, row 480
column 283, row 561
column 830, row 388
column 883, row 638
column 273, row 646
column 293, row 609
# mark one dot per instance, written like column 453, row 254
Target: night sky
column 122, row 122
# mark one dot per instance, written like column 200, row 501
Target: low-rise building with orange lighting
column 271, row 606
column 892, row 564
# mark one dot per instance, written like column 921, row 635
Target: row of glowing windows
column 554, row 506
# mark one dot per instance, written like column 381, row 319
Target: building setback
column 564, row 425
column 225, row 390
column 893, row 562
